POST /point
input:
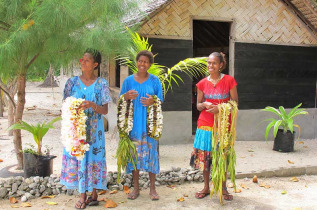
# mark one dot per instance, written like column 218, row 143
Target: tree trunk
column 49, row 80
column 1, row 104
column 21, row 83
column 10, row 117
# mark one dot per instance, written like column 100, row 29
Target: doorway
column 208, row 37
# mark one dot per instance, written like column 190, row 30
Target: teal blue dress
column 91, row 172
column 147, row 147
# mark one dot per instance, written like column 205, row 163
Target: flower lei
column 126, row 151
column 125, row 115
column 155, row 119
column 223, row 153
column 74, row 128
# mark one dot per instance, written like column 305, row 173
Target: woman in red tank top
column 214, row 89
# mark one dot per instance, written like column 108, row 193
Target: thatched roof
column 149, row 9
column 306, row 10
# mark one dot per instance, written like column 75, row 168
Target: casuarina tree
column 35, row 34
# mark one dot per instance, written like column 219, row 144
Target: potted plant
column 284, row 138
column 35, row 162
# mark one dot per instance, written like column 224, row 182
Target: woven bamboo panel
column 256, row 20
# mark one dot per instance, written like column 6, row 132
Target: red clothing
column 215, row 95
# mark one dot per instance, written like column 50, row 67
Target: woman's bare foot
column 134, row 194
column 203, row 193
column 81, row 204
column 226, row 195
column 153, row 195
column 93, row 199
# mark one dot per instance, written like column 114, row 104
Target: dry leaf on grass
column 283, row 192
column 244, row 187
column 255, row 179
column 1, row 160
column 294, row 179
column 51, row 203
column 267, row 186
column 13, row 200
column 230, row 185
column 26, row 204
column 181, row 199
column 290, row 162
column 15, row 206
column 185, row 195
column 102, row 192
column 113, row 192
column 126, row 189
column 237, row 191
column 48, row 196
column 301, row 142
column 110, row 204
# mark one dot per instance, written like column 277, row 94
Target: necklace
column 214, row 81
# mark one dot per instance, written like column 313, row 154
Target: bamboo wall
column 256, row 20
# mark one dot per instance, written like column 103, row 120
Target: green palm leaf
column 283, row 113
column 294, row 109
column 192, row 67
column 276, row 126
column 286, row 120
column 38, row 131
column 269, row 126
column 290, row 124
column 272, row 109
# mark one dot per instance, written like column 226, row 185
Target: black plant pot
column 35, row 165
column 284, row 142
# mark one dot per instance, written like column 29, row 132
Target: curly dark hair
column 147, row 54
column 96, row 56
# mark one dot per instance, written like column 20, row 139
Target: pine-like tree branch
column 4, row 88
column 32, row 60
column 6, row 29
column 6, row 24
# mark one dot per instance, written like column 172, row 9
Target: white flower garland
column 74, row 128
column 155, row 119
column 125, row 115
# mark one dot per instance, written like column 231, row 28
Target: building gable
column 255, row 21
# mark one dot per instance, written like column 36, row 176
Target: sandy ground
column 299, row 195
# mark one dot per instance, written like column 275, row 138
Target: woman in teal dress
column 140, row 87
column 90, row 173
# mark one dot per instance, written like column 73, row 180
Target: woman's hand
column 207, row 105
column 131, row 94
column 213, row 109
column 87, row 104
column 147, row 101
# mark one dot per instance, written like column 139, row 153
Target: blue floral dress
column 147, row 148
column 91, row 172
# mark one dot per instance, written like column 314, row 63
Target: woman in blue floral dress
column 140, row 87
column 90, row 173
